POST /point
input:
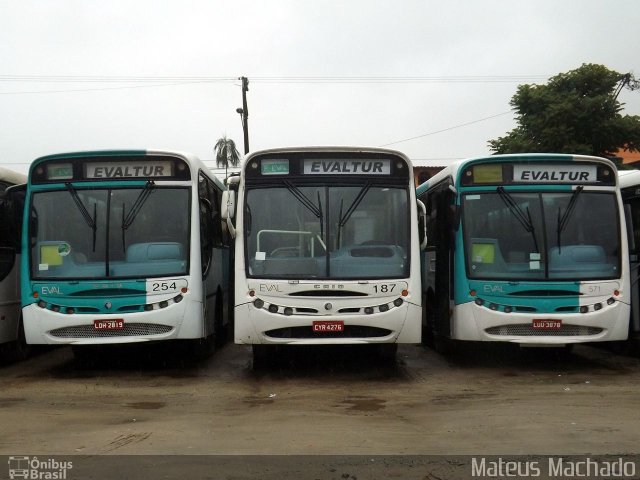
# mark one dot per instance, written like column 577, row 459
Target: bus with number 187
column 327, row 249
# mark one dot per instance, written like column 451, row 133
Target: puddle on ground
column 364, row 404
column 146, row 405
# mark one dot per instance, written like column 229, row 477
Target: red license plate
column 328, row 326
column 116, row 324
column 547, row 324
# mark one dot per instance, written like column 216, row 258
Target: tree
column 575, row 112
column 226, row 154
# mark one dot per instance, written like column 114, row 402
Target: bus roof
column 326, row 149
column 191, row 159
column 9, row 176
column 628, row 178
column 456, row 167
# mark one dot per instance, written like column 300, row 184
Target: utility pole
column 244, row 113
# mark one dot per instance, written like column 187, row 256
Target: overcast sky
column 163, row 74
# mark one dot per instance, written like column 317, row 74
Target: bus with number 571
column 529, row 249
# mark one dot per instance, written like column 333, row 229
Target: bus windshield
column 109, row 233
column 569, row 235
column 327, row 232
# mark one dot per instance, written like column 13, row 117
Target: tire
column 387, row 352
column 428, row 328
column 202, row 348
column 17, row 350
column 264, row 356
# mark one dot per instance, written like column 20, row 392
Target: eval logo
column 493, row 289
column 50, row 290
column 270, row 288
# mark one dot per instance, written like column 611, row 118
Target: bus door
column 632, row 213
column 437, row 260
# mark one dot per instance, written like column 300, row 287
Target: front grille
column 350, row 331
column 525, row 330
column 129, row 330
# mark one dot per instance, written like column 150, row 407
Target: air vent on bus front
column 328, row 292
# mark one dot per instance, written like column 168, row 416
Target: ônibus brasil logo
column 33, row 468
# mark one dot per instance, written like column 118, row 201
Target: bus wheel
column 220, row 330
column 18, row 349
column 387, row 352
column 429, row 325
column 443, row 345
column 264, row 356
column 202, row 348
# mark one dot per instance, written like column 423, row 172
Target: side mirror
column 228, row 204
column 422, row 222
column 228, row 209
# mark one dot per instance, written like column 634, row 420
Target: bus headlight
column 258, row 303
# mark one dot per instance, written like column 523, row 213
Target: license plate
column 116, row 324
column 328, row 326
column 547, row 324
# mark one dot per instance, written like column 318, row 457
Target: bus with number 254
column 122, row 247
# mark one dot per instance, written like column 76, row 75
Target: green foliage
column 575, row 112
column 226, row 153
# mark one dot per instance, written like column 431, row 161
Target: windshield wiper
column 516, row 211
column 562, row 222
column 91, row 222
column 352, row 208
column 302, row 198
column 135, row 208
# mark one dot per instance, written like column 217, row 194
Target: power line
column 447, row 129
column 166, row 81
column 75, row 90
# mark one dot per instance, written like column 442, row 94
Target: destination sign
column 347, row 167
column 157, row 168
column 275, row 167
column 555, row 173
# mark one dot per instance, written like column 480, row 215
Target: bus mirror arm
column 423, row 217
column 228, row 208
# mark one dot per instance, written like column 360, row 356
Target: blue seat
column 149, row 252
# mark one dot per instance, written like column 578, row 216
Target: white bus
column 327, row 249
column 122, row 247
column 12, row 342
column 630, row 188
column 529, row 249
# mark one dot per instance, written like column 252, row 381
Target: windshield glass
column 78, row 234
column 536, row 236
column 327, row 232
